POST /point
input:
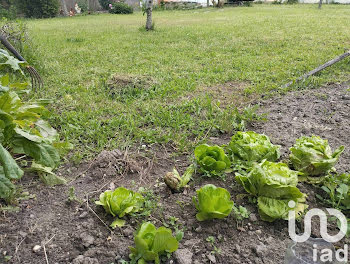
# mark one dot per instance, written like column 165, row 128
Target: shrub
column 104, row 4
column 120, row 8
column 83, row 5
column 7, row 9
column 38, row 8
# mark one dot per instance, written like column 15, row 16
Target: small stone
column 241, row 229
column 211, row 258
column 118, row 257
column 238, row 249
column 259, row 249
column 183, row 256
column 31, row 216
column 87, row 240
column 84, row 214
column 253, row 218
column 23, row 234
column 198, row 229
column 36, row 248
column 128, row 231
column 258, row 232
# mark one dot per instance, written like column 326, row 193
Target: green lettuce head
column 248, row 147
column 313, row 156
column 212, row 159
column 212, row 202
column 275, row 185
column 151, row 242
column 120, row 202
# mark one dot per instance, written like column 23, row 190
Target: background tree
column 149, row 5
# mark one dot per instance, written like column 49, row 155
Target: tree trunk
column 320, row 4
column 64, row 7
column 208, row 4
column 149, row 15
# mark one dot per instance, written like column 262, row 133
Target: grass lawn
column 263, row 46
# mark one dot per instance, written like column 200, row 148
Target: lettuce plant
column 151, row 242
column 248, row 147
column 275, row 185
column 120, row 202
column 313, row 156
column 212, row 160
column 212, row 202
column 175, row 182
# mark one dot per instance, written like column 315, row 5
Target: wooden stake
column 318, row 69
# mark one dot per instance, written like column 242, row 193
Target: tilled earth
column 50, row 229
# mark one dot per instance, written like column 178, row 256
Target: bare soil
column 76, row 232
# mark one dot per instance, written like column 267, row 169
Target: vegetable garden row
column 254, row 160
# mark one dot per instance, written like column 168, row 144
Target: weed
column 240, row 213
column 336, row 188
column 72, row 197
column 212, row 242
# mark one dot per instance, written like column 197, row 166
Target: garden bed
column 75, row 234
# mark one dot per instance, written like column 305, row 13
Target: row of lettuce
column 27, row 141
column 253, row 160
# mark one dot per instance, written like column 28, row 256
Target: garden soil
column 51, row 228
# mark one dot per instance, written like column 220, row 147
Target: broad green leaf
column 164, row 241
column 46, row 130
column 121, row 201
column 248, row 147
column 313, row 156
column 47, row 175
column 117, row 223
column 212, row 202
column 150, row 242
column 211, row 159
column 269, row 179
column 10, row 168
column 6, row 186
column 271, row 209
column 5, row 80
column 11, row 61
column 42, row 153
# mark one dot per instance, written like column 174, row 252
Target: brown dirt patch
column 228, row 93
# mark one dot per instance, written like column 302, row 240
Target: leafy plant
column 26, row 139
column 38, row 8
column 240, row 213
column 120, row 8
column 151, row 242
column 212, row 202
column 337, row 189
column 212, row 160
column 274, row 184
column 212, row 242
column 178, row 229
column 105, row 3
column 175, row 182
column 120, row 202
column 248, row 147
column 313, row 156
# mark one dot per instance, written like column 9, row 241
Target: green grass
column 264, row 46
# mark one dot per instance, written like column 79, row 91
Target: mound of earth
column 76, row 231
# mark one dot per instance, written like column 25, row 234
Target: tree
column 149, row 5
column 320, row 4
column 64, row 8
